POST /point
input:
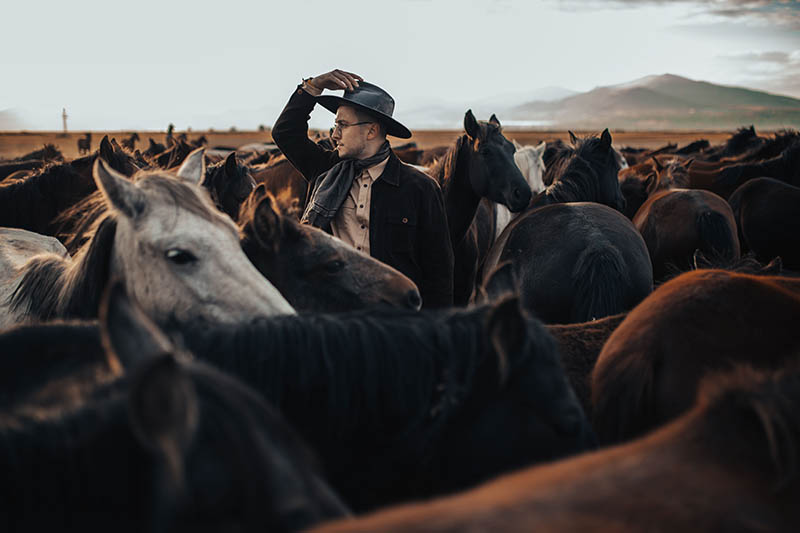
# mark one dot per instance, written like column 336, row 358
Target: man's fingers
column 342, row 81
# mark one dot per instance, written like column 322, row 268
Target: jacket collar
column 390, row 173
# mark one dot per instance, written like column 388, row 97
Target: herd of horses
column 178, row 352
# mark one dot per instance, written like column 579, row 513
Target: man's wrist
column 310, row 88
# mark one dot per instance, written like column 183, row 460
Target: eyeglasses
column 339, row 126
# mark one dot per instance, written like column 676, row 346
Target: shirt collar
column 376, row 170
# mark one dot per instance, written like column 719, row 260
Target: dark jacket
column 407, row 219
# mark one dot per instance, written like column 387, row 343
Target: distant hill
column 664, row 102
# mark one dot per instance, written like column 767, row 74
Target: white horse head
column 530, row 163
column 179, row 256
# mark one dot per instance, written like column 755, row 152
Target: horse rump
column 717, row 239
column 601, row 277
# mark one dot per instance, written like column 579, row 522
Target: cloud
column 776, row 12
column 771, row 70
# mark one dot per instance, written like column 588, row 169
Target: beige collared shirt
column 351, row 223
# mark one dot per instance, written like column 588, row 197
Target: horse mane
column 770, row 399
column 54, row 287
column 354, row 369
column 570, row 168
column 48, row 152
column 443, row 169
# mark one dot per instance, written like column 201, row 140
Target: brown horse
column 284, row 183
column 579, row 346
column 728, row 465
column 699, row 322
column 313, row 270
column 767, row 212
column 675, row 222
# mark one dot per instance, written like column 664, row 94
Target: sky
column 218, row 64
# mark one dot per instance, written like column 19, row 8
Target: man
column 360, row 191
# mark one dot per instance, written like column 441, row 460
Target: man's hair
column 364, row 116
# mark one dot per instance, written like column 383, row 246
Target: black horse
column 139, row 437
column 586, row 172
column 767, row 213
column 229, row 183
column 571, row 262
column 480, row 164
column 403, row 405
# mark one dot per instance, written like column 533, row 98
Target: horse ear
column 650, row 183
column 267, row 222
column 106, row 150
column 605, row 137
column 659, row 166
column 753, row 128
column 115, row 145
column 471, row 125
column 573, row 139
column 688, row 163
column 494, row 121
column 193, row 167
column 508, row 331
column 163, row 411
column 126, row 331
column 517, row 146
column 541, row 148
column 118, row 190
column 230, row 164
column 500, row 282
column 774, row 267
column 699, row 260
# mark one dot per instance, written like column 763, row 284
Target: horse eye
column 334, row 266
column 180, row 257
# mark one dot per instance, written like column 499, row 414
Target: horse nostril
column 413, row 299
column 517, row 194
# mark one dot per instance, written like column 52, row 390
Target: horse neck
column 573, row 187
column 461, row 202
column 53, row 287
column 47, row 478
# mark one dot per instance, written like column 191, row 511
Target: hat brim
column 393, row 128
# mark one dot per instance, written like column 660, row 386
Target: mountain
column 664, row 102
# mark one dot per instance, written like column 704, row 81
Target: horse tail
column 601, row 277
column 623, row 396
column 717, row 240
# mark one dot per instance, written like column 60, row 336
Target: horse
column 174, row 155
column 402, row 404
column 675, row 221
column 130, row 142
column 647, row 374
column 479, row 164
column 313, row 270
column 154, row 148
column 49, row 152
column 140, row 437
column 179, row 257
column 285, row 183
column 785, row 167
column 768, row 220
column 572, row 262
column 585, row 172
column 7, row 169
column 229, row 184
column 745, row 139
column 729, row 464
column 85, row 144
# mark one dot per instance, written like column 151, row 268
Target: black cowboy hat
column 371, row 99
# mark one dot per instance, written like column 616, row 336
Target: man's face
column 351, row 140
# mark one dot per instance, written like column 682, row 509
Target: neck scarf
column 334, row 185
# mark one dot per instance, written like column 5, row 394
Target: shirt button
column 358, row 248
column 405, row 220
column 361, row 206
column 365, row 185
column 363, row 226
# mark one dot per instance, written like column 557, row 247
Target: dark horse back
column 575, row 262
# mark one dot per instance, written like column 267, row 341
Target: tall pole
column 64, row 118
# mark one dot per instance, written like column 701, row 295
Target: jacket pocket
column 402, row 232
